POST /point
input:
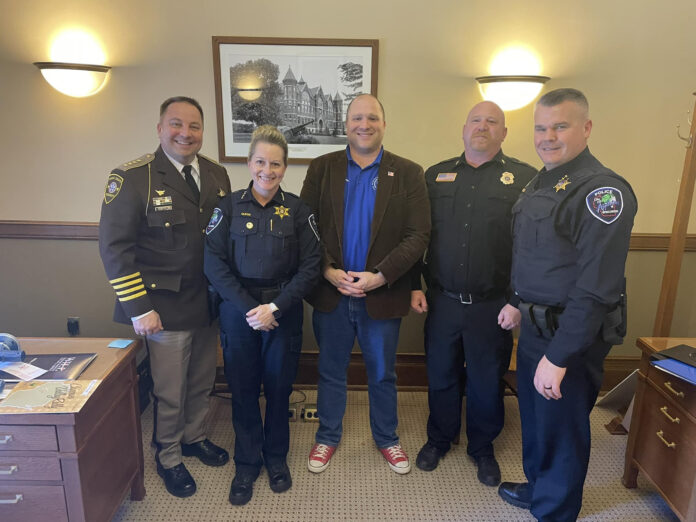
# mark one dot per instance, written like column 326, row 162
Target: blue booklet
column 677, row 368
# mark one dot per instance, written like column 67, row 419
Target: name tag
column 446, row 177
column 164, row 200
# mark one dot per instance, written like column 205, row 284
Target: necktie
column 191, row 183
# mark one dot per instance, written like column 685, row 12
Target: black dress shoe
column 516, row 493
column 208, row 453
column 177, row 480
column 428, row 457
column 242, row 489
column 488, row 470
column 279, row 477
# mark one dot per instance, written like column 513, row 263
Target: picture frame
column 300, row 85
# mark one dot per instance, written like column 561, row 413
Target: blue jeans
column 336, row 332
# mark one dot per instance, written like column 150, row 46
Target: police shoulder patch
column 138, row 162
column 214, row 220
column 605, row 204
column 113, row 187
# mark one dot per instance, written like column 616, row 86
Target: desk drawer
column 30, row 468
column 682, row 392
column 666, row 449
column 32, row 438
column 33, row 503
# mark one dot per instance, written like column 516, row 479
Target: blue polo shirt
column 358, row 209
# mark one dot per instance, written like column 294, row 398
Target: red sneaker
column 397, row 459
column 319, row 457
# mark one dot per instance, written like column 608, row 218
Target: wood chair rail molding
column 90, row 231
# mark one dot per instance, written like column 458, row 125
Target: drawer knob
column 11, row 500
column 668, row 385
column 9, row 470
column 672, row 419
column 5, row 438
column 661, row 435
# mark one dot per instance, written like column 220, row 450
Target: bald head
column 483, row 133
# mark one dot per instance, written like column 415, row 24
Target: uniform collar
column 247, row 195
column 179, row 166
column 569, row 166
column 498, row 158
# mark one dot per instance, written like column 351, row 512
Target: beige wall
column 633, row 58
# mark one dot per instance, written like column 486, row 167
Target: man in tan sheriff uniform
column 151, row 237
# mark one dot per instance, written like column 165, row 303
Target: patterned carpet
column 358, row 484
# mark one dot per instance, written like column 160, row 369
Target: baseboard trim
column 411, row 372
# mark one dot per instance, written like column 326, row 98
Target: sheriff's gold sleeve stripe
column 124, row 278
column 134, row 296
column 129, row 283
column 131, row 290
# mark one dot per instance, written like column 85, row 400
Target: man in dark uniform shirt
column 571, row 231
column 468, row 274
column 151, row 236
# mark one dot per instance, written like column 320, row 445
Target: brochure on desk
column 48, row 396
column 58, row 366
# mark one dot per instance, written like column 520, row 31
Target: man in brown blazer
column 151, row 234
column 373, row 217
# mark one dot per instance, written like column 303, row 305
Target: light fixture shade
column 74, row 79
column 511, row 92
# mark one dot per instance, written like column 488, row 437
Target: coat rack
column 677, row 241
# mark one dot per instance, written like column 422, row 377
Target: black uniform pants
column 556, row 433
column 456, row 333
column 253, row 358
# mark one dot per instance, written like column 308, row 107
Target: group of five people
column 498, row 244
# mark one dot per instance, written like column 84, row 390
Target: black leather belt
column 469, row 298
column 266, row 293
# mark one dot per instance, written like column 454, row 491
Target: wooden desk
column 75, row 466
column 662, row 438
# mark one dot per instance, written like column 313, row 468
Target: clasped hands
column 354, row 284
column 261, row 318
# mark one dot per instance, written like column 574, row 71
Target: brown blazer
column 400, row 228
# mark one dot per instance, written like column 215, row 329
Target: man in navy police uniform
column 571, row 231
column 470, row 313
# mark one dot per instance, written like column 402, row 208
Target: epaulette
column 447, row 161
column 211, row 160
column 142, row 160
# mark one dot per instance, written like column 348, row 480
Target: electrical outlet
column 74, row 326
column 309, row 413
column 292, row 414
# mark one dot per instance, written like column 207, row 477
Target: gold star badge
column 249, row 225
column 507, row 178
column 160, row 192
column 282, row 211
column 220, row 193
column 562, row 183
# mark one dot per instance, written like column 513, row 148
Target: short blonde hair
column 268, row 134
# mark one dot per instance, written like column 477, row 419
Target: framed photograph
column 301, row 85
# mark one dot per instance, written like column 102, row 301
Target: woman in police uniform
column 262, row 256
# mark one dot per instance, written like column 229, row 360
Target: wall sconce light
column 74, row 79
column 250, row 94
column 511, row 92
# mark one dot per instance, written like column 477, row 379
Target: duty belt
column 543, row 318
column 264, row 293
column 469, row 298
